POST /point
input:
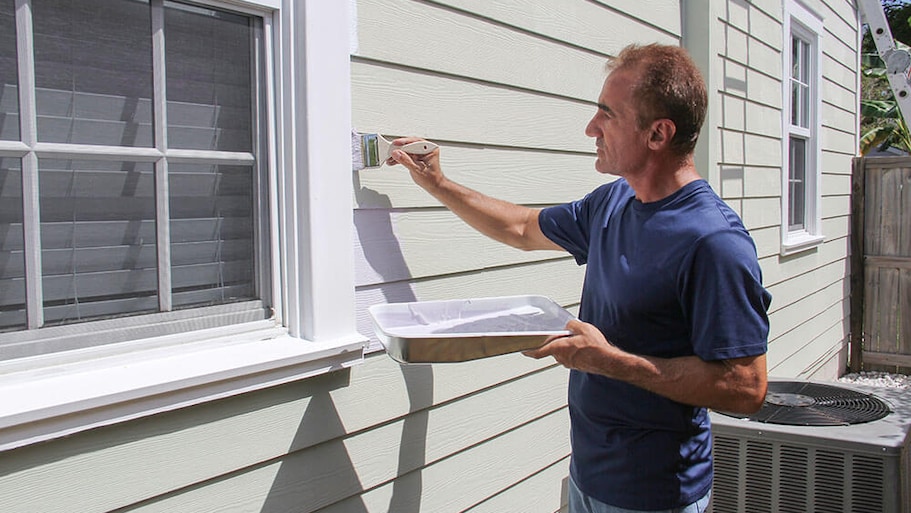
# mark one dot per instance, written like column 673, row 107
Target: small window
column 138, row 183
column 801, row 201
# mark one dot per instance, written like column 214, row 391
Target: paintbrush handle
column 417, row 148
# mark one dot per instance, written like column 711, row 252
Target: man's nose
column 591, row 129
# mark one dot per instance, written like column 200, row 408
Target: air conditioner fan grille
column 814, row 404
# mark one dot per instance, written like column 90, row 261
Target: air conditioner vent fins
column 813, row 404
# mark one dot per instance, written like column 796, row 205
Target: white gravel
column 877, row 379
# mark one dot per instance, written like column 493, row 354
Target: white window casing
column 801, row 129
column 311, row 290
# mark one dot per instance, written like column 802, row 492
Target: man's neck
column 660, row 181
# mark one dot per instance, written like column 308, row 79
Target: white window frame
column 802, row 22
column 314, row 330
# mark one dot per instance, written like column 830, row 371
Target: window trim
column 314, row 330
column 808, row 25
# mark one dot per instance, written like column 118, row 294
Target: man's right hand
column 425, row 169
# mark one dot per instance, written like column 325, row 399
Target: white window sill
column 51, row 396
column 800, row 242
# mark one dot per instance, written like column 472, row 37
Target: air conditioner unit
column 816, row 447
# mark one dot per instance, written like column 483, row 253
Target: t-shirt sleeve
column 723, row 297
column 565, row 225
column 569, row 225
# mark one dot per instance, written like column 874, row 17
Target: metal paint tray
column 466, row 329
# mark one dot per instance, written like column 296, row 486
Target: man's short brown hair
column 668, row 86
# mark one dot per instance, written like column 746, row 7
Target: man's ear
column 661, row 134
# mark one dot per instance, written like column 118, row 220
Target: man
column 673, row 318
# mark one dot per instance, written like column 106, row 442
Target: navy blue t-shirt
column 675, row 277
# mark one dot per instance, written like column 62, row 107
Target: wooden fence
column 881, row 264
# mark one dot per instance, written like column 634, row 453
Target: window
column 158, row 242
column 801, row 202
column 138, row 202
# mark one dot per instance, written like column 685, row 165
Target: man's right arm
column 506, row 222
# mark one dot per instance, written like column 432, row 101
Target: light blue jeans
column 581, row 503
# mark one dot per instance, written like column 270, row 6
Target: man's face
column 620, row 143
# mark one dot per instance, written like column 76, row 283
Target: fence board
column 882, row 210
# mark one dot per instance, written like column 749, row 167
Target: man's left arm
column 736, row 385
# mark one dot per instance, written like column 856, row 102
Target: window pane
column 98, row 253
column 209, row 81
column 93, row 72
column 212, row 236
column 12, row 259
column 9, row 75
column 795, row 58
column 797, row 172
column 805, row 62
column 795, row 103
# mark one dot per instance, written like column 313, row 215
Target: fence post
column 858, row 177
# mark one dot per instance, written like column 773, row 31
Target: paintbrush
column 372, row 150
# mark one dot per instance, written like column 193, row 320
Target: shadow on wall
column 383, row 253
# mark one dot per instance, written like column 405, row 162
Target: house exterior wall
column 506, row 88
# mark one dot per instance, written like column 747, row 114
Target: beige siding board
column 521, row 176
column 732, row 182
column 737, row 45
column 838, row 118
column 664, row 14
column 763, row 151
column 841, row 21
column 735, row 78
column 842, row 73
column 544, row 491
column 782, row 268
column 837, row 141
column 846, row 10
column 838, row 227
column 764, row 89
column 396, row 246
column 600, row 27
column 794, row 290
column 196, row 444
column 738, row 14
column 837, row 162
column 464, row 110
column 833, row 206
column 797, row 314
column 836, row 184
column 474, row 47
column 762, row 181
column 763, row 120
column 768, row 241
column 473, row 475
column 761, row 212
column 795, row 352
column 763, row 57
column 339, row 469
column 836, row 95
column 734, row 111
column 767, row 28
column 732, row 147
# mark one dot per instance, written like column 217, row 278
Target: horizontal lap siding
column 301, row 446
column 506, row 88
column 808, row 313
